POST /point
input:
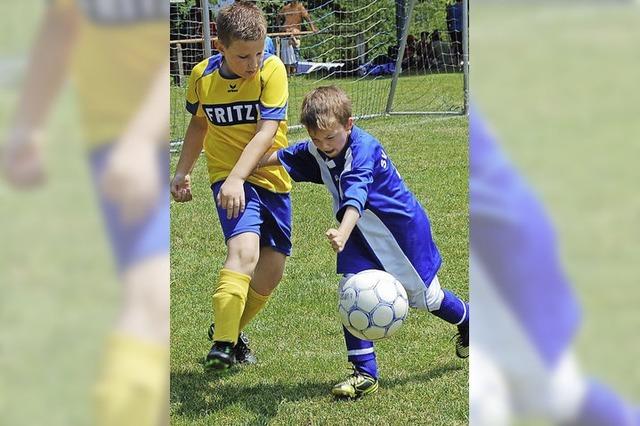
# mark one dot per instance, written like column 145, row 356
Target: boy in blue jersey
column 238, row 100
column 382, row 224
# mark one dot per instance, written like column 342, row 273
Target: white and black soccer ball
column 373, row 304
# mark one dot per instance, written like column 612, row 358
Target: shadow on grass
column 423, row 377
column 198, row 395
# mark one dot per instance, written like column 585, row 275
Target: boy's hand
column 337, row 239
column 181, row 188
column 231, row 197
column 21, row 162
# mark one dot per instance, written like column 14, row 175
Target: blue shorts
column 133, row 242
column 266, row 213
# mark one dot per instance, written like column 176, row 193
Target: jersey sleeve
column 275, row 90
column 193, row 103
column 356, row 178
column 300, row 163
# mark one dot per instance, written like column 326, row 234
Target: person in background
column 455, row 28
column 291, row 17
column 424, row 51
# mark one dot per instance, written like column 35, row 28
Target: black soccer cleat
column 462, row 341
column 243, row 353
column 221, row 356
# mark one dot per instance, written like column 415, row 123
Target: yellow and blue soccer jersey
column 116, row 58
column 118, row 53
column 232, row 108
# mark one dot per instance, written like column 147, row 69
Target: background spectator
column 424, row 51
column 291, row 16
column 409, row 58
column 455, row 27
column 444, row 59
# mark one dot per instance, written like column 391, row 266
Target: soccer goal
column 391, row 56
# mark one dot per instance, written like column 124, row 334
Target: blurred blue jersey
column 513, row 238
column 393, row 232
column 269, row 46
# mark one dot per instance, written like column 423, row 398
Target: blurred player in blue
column 527, row 314
column 120, row 80
column 382, row 224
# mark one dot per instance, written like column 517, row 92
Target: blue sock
column 453, row 310
column 361, row 354
column 603, row 407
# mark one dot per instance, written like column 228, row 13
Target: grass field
column 298, row 336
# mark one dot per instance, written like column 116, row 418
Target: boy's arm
column 231, row 195
column 191, row 149
column 307, row 17
column 298, row 162
column 269, row 159
column 51, row 52
column 339, row 237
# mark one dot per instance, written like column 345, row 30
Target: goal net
column 351, row 44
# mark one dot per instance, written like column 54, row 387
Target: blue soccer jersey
column 514, row 241
column 393, row 232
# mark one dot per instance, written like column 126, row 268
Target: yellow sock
column 228, row 304
column 255, row 303
column 133, row 387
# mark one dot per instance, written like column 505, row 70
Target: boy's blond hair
column 325, row 106
column 241, row 20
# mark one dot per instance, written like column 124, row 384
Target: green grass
column 298, row 336
column 425, row 92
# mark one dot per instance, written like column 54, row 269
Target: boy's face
column 331, row 141
column 242, row 58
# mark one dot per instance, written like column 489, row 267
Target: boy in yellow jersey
column 238, row 100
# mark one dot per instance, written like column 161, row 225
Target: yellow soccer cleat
column 357, row 385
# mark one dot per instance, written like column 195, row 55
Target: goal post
column 435, row 83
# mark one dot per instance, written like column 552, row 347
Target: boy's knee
column 428, row 299
column 243, row 259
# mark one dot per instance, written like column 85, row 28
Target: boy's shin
column 361, row 354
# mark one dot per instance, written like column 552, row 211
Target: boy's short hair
column 325, row 106
column 241, row 20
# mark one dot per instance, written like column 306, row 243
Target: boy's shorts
column 132, row 243
column 266, row 213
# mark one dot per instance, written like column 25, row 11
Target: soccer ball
column 373, row 304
